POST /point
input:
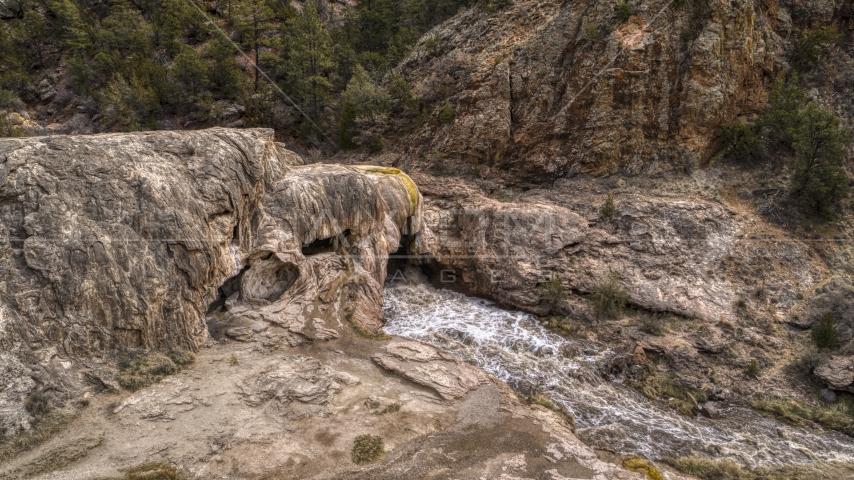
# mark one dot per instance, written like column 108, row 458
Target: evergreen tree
column 310, row 59
column 254, row 22
column 226, row 75
column 73, row 32
column 190, row 70
column 364, row 109
column 818, row 174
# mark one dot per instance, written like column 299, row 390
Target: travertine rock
column 433, row 368
column 296, row 377
column 129, row 240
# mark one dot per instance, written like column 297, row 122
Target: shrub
column 37, row 405
column 609, row 296
column 811, row 46
column 8, row 100
column 591, row 33
column 818, row 172
column 658, row 385
column 367, row 448
column 432, row 45
column 653, row 324
column 447, row 113
column 623, row 11
column 608, row 208
column 740, row 143
column 824, row 334
column 752, row 368
column 806, row 363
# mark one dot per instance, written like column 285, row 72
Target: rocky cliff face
column 125, row 241
column 548, row 89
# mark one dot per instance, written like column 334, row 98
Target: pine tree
column 818, row 173
column 190, row 70
column 74, row 34
column 226, row 74
column 364, row 109
column 254, row 22
column 310, row 59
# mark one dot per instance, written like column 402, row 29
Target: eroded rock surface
column 837, row 373
column 136, row 241
column 432, row 368
column 666, row 252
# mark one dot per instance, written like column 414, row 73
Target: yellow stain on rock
column 408, row 183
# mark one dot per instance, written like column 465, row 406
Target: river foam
column 516, row 348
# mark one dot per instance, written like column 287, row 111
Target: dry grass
column 835, row 417
column 43, row 430
column 662, row 386
column 138, row 371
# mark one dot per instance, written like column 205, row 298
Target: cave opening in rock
column 323, row 245
column 401, row 263
column 229, row 290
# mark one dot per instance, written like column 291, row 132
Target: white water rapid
column 516, row 348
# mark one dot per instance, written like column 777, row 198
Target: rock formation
column 545, row 89
column 127, row 241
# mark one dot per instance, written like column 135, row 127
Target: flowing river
column 516, row 348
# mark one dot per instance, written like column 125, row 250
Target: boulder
column 827, row 395
column 710, row 411
column 837, row 373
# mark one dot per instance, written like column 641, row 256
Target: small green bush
column 609, row 296
column 806, row 363
column 663, row 386
column 752, row 369
column 367, row 448
column 432, row 45
column 824, row 334
column 653, row 324
column 623, row 11
column 37, row 405
column 447, row 113
column 591, row 33
column 608, row 208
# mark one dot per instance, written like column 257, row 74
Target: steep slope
column 547, row 89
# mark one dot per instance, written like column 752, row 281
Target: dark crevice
column 228, row 288
column 323, row 245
